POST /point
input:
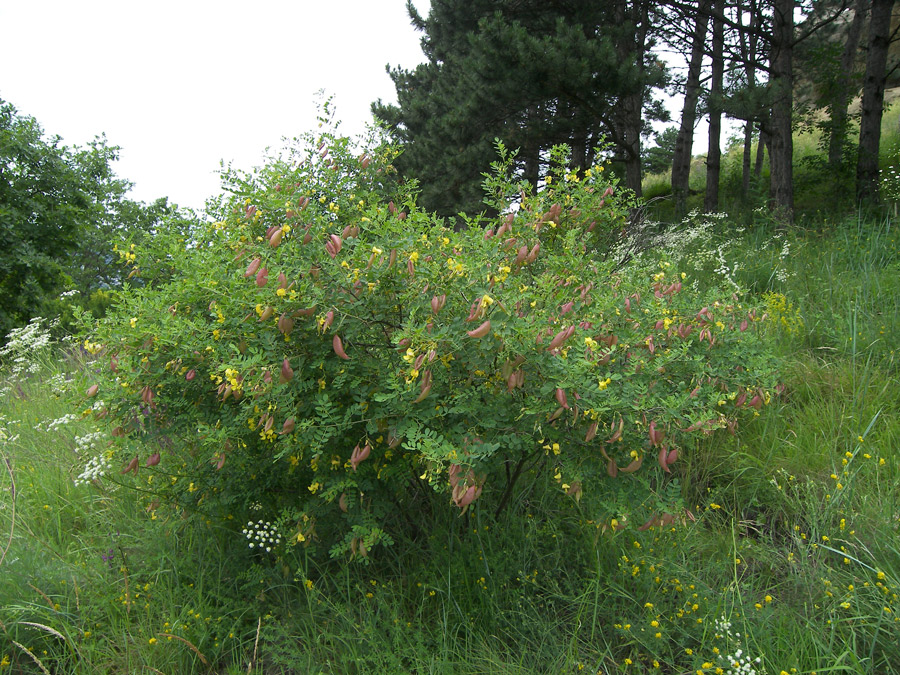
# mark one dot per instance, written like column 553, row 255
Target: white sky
column 183, row 84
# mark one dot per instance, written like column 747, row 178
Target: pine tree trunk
column 632, row 105
column 633, row 48
column 531, row 171
column 749, row 51
column 781, row 142
column 681, row 161
column 838, row 124
column 760, row 153
column 747, row 161
column 714, row 152
column 579, row 151
column 873, row 101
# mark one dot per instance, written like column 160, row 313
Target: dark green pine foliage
column 531, row 73
column 658, row 158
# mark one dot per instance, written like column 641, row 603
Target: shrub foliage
column 328, row 357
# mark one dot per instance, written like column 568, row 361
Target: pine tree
column 873, row 100
column 532, row 74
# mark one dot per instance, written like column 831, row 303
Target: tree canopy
column 60, row 207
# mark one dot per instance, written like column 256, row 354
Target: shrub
column 325, row 357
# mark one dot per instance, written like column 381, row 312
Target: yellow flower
column 152, row 641
column 133, row 321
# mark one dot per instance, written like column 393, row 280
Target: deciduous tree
column 59, row 209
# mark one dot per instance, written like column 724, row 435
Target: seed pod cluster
column 359, row 455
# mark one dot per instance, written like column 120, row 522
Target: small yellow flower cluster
column 455, row 267
column 782, row 313
column 93, row 347
column 127, row 257
column 551, row 448
column 231, row 376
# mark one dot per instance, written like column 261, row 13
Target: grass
column 788, row 550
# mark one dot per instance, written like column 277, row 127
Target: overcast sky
column 183, row 84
